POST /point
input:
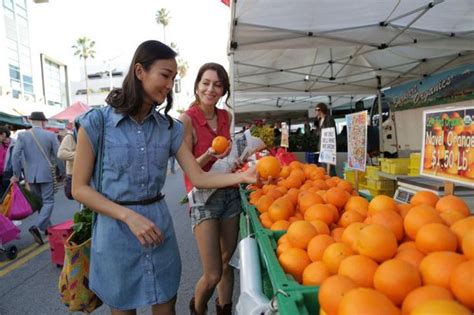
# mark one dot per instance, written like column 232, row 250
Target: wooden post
column 448, row 188
column 356, row 179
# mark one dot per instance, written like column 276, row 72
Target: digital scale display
column 407, row 187
column 403, row 195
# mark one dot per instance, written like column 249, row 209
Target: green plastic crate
column 292, row 298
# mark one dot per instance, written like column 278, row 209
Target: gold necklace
column 213, row 116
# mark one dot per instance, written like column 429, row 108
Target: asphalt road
column 28, row 285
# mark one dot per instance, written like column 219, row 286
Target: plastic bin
column 57, row 236
column 414, row 171
column 380, row 184
column 310, row 157
column 372, row 172
column 376, row 192
column 349, row 175
column 415, row 160
column 395, row 166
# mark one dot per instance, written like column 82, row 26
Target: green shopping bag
column 34, row 201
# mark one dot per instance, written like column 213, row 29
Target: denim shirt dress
column 123, row 273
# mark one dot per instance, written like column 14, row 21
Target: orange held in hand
column 220, row 144
column 268, row 166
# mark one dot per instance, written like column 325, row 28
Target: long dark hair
column 323, row 108
column 221, row 74
column 128, row 100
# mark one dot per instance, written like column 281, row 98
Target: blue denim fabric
column 223, row 204
column 124, row 274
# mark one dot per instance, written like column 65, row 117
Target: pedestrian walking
column 5, row 149
column 37, row 149
column 135, row 260
column 66, row 152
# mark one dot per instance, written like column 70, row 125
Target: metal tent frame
column 305, row 49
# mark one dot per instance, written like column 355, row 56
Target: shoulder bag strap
column 99, row 160
column 41, row 148
column 100, row 153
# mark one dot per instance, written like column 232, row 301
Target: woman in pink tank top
column 215, row 224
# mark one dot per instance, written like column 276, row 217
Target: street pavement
column 28, row 285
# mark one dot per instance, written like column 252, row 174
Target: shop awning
column 16, row 122
column 71, row 112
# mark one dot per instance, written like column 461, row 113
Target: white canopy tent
column 305, row 49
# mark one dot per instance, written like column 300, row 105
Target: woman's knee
column 225, row 258
column 212, row 279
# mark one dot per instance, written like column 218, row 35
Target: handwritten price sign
column 448, row 145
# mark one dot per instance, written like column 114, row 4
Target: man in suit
column 324, row 120
column 37, row 169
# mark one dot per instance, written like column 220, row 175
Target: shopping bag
column 34, row 201
column 19, row 206
column 7, row 199
column 285, row 157
column 74, row 279
column 8, row 230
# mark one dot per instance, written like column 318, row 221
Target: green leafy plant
column 82, row 225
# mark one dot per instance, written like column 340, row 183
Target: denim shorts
column 224, row 203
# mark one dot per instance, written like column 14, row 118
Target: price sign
column 448, row 145
column 327, row 154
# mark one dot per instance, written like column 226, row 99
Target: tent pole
column 379, row 101
column 232, row 94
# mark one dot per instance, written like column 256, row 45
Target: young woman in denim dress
column 215, row 224
column 135, row 259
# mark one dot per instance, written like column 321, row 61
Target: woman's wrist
column 125, row 215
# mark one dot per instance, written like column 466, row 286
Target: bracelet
column 209, row 153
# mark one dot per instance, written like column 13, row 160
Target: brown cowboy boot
column 192, row 308
column 223, row 309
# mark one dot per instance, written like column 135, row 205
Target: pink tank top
column 205, row 134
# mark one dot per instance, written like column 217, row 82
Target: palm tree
column 162, row 17
column 84, row 48
column 183, row 67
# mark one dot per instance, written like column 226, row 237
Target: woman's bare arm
column 202, row 179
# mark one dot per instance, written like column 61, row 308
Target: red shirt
column 205, row 134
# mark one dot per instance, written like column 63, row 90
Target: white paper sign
column 327, row 154
column 284, row 136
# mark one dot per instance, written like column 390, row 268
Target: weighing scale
column 408, row 186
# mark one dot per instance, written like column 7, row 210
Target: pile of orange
column 376, row 257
